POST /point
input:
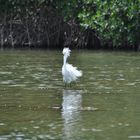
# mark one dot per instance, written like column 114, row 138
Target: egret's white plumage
column 69, row 72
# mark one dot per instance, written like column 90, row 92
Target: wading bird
column 69, row 72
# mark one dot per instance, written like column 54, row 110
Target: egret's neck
column 65, row 60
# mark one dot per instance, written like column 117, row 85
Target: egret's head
column 66, row 52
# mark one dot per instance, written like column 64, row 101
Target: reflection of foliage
column 116, row 22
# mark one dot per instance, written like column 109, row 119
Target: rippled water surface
column 103, row 105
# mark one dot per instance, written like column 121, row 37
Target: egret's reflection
column 71, row 106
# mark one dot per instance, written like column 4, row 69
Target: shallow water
column 102, row 105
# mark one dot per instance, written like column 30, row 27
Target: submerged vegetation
column 78, row 23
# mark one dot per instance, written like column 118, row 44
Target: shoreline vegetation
column 52, row 24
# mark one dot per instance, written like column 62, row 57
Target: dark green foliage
column 116, row 23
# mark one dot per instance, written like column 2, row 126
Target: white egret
column 69, row 72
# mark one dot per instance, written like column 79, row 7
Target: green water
column 34, row 103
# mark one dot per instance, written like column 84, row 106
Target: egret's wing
column 70, row 73
column 73, row 71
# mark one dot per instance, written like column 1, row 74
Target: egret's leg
column 75, row 83
column 70, row 85
column 65, row 85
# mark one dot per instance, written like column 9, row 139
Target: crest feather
column 66, row 52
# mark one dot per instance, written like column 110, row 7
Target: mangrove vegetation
column 91, row 24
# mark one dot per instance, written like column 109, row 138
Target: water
column 103, row 105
